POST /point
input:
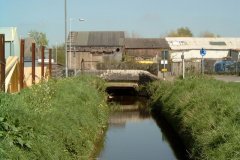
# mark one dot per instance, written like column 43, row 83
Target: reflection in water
column 130, row 103
column 121, row 118
column 134, row 135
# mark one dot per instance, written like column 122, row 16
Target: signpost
column 183, row 65
column 164, row 70
column 164, row 62
column 203, row 53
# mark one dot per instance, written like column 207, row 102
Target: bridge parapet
column 137, row 76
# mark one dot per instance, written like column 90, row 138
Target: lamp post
column 66, row 59
column 70, row 37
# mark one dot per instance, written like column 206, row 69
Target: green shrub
column 59, row 119
column 205, row 112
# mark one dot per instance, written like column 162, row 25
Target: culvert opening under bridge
column 122, row 91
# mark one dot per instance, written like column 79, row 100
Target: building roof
column 10, row 33
column 190, row 43
column 97, row 38
column 146, row 43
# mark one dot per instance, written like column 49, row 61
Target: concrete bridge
column 124, row 78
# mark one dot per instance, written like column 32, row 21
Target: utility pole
column 66, row 56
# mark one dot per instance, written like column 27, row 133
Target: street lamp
column 70, row 37
column 66, row 63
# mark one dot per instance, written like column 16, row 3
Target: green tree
column 39, row 37
column 180, row 32
column 208, row 34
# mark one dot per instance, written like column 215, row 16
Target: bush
column 205, row 112
column 59, row 119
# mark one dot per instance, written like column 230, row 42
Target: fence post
column 33, row 62
column 42, row 64
column 50, row 62
column 2, row 62
column 21, row 76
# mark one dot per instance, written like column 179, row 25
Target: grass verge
column 206, row 114
column 59, row 119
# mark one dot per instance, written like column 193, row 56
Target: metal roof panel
column 98, row 38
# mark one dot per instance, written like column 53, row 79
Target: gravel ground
column 227, row 78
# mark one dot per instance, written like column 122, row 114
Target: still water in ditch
column 135, row 135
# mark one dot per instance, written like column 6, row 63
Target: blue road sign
column 203, row 52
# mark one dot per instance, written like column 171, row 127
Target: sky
column 145, row 18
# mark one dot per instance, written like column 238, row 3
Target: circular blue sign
column 203, row 52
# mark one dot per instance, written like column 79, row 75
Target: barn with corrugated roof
column 86, row 49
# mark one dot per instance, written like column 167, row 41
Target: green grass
column 206, row 114
column 59, row 119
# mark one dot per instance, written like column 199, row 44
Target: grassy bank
column 55, row 120
column 206, row 114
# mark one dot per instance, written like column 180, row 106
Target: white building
column 12, row 42
column 216, row 48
